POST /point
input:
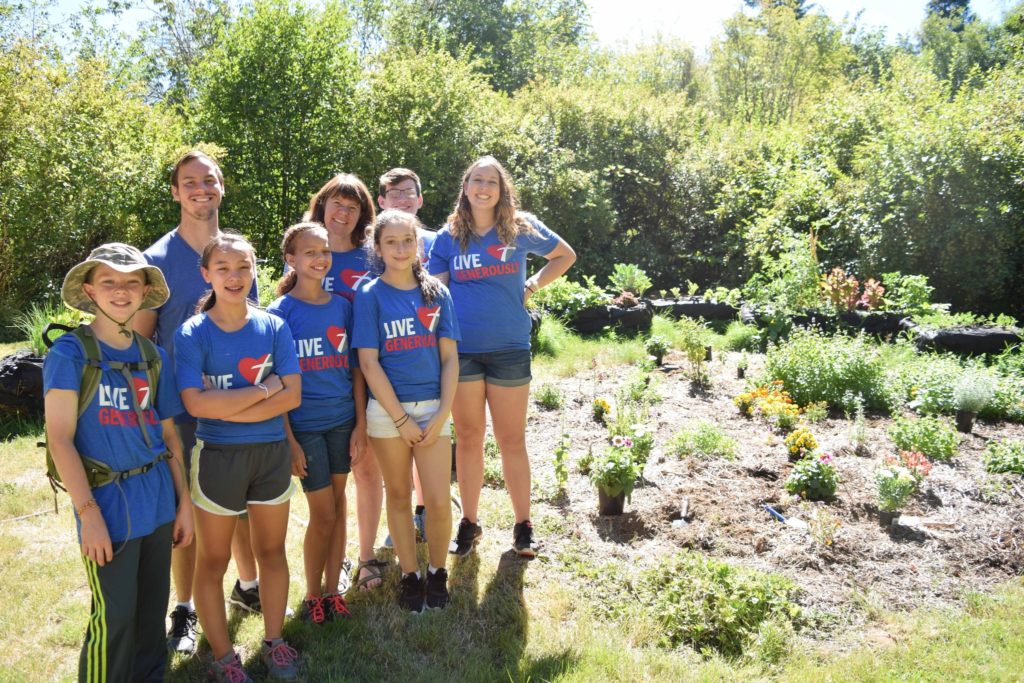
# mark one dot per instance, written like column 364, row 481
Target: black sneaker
column 182, row 635
column 410, row 593
column 248, row 600
column 523, row 542
column 313, row 611
column 466, row 538
column 437, row 589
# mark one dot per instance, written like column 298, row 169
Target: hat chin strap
column 122, row 326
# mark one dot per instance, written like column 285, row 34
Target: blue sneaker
column 281, row 660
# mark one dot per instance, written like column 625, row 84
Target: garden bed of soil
column 972, row 539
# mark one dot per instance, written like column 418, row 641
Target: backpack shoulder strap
column 93, row 366
column 151, row 363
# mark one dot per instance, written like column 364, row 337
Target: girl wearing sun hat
column 126, row 524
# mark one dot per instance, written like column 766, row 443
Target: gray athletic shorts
column 228, row 477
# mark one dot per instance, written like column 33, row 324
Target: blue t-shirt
column 349, row 271
column 405, row 333
column 426, row 239
column 321, row 333
column 233, row 360
column 108, row 431
column 486, row 282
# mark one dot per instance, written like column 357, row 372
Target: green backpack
column 98, row 473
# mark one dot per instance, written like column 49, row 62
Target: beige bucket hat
column 123, row 258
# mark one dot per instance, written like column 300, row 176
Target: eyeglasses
column 411, row 193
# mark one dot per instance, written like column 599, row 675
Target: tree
column 278, row 93
column 799, row 7
column 949, row 9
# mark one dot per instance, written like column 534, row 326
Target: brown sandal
column 374, row 572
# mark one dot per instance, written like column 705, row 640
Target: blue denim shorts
column 502, row 368
column 327, row 453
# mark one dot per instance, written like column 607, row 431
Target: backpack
column 98, row 473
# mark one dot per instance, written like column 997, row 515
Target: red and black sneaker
column 313, row 611
column 336, row 607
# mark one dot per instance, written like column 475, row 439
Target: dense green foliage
column 800, row 143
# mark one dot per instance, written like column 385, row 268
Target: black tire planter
column 21, row 383
column 536, row 315
column 694, row 307
column 590, row 320
column 817, row 320
column 880, row 323
column 634, row 319
column 968, row 341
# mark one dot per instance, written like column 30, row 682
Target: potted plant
column 894, row 485
column 614, row 473
column 741, row 366
column 971, row 394
column 657, row 346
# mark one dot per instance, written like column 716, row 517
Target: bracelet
column 266, row 390
column 91, row 503
column 533, row 288
column 401, row 421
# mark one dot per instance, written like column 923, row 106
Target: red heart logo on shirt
column 501, row 251
column 142, row 392
column 429, row 317
column 355, row 278
column 336, row 336
column 254, row 370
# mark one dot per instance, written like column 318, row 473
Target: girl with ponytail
column 406, row 333
column 238, row 374
column 330, row 424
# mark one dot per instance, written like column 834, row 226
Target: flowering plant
column 840, row 289
column 894, row 485
column 800, row 443
column 914, row 462
column 600, row 409
column 770, row 402
column 814, row 478
column 616, row 472
column 638, row 437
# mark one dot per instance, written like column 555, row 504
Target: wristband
column 532, row 288
column 91, row 503
column 266, row 390
column 401, row 421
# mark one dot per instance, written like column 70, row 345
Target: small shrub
column 657, row 346
column 822, row 525
column 741, row 337
column 800, row 443
column 973, row 391
column 840, row 290
column 722, row 295
column 935, row 437
column 561, row 462
column 1005, row 457
column 894, row 485
column 909, row 293
column 548, row 397
column 32, row 322
column 586, row 462
column 627, row 277
column 873, row 296
column 815, row 367
column 915, row 463
column 706, row 603
column 704, row 440
column 813, row 478
column 816, row 411
column 858, row 425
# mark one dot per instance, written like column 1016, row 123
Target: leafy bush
column 32, row 322
column 741, row 337
column 908, row 293
column 815, row 367
column 1007, row 402
column 548, row 397
column 840, row 290
column 813, row 478
column 567, row 298
column 704, row 440
column 706, row 603
column 627, row 277
column 1005, row 456
column 657, row 346
column 935, row 437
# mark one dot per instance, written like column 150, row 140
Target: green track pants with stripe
column 125, row 638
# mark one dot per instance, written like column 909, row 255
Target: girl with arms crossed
column 481, row 255
column 326, row 428
column 406, row 333
column 238, row 374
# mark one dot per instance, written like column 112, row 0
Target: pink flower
column 825, row 458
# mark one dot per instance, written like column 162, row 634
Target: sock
column 431, row 569
column 269, row 642
column 420, row 509
column 249, row 585
column 189, row 605
column 417, row 573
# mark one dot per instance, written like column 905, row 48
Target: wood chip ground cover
column 972, row 542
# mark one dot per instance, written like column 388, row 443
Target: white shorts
column 380, row 426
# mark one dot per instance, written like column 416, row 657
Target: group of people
column 383, row 332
